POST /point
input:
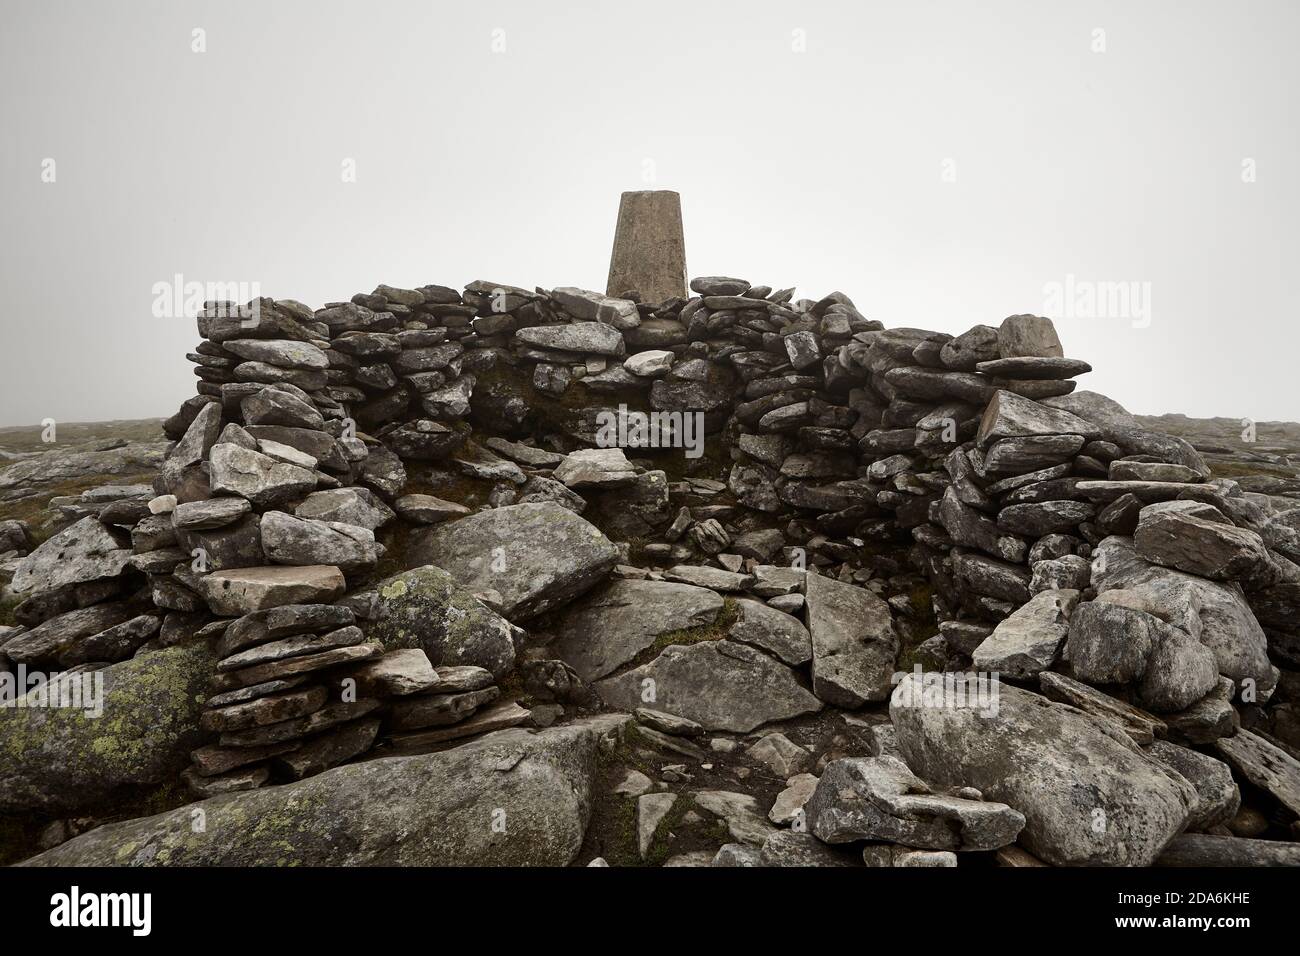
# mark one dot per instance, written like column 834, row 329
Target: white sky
column 822, row 169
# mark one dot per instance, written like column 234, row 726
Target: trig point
column 649, row 249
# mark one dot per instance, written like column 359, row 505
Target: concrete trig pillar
column 649, row 247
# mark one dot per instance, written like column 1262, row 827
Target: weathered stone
column 252, row 475
column 1028, row 335
column 424, row 810
column 241, row 591
column 425, row 608
column 538, row 556
column 773, row 631
column 67, row 758
column 1171, row 536
column 288, row 539
column 86, row 551
column 1029, row 641
column 1054, row 764
column 610, row 626
column 595, row 468
column 718, row 684
column 878, row 798
column 360, row 507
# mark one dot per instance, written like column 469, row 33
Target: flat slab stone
column 240, row 591
column 610, row 626
column 705, row 577
column 86, row 551
column 1265, row 765
column 537, row 556
column 585, row 338
column 720, row 685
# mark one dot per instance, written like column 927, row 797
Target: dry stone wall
column 843, row 501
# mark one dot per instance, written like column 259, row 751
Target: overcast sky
column 943, row 163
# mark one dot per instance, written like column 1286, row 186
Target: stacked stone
column 1065, row 546
column 261, row 520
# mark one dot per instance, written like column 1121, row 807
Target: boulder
column 611, row 625
column 1029, row 641
column 879, row 799
column 512, row 798
column 1171, row 536
column 86, row 551
column 720, row 685
column 240, row 591
column 587, row 338
column 288, row 539
column 1216, row 613
column 261, row 479
column 56, row 759
column 537, row 556
column 770, row 630
column 853, row 642
column 1028, row 335
column 1088, row 794
column 425, row 608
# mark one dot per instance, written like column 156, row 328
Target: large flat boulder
column 1173, row 536
column 66, row 758
column 720, row 685
column 512, row 798
column 536, row 556
column 86, row 551
column 610, row 626
column 1088, row 794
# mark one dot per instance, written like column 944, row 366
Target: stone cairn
column 1052, row 539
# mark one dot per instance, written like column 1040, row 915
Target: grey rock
column 879, row 798
column 718, row 684
column 252, row 475
column 360, row 507
column 1029, row 641
column 1173, row 537
column 611, row 625
column 425, row 608
column 61, row 758
column 595, row 468
column 776, row 632
column 288, row 539
column 1028, row 335
column 1059, row 767
column 425, row 810
column 853, row 641
column 87, row 551
column 538, row 556
column 1219, row 799
column 587, row 338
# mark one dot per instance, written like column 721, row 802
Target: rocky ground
column 378, row 594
